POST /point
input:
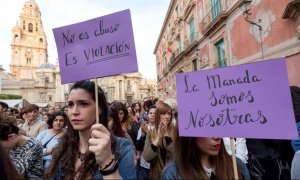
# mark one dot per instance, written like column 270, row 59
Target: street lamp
column 245, row 7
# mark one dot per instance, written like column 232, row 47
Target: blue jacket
column 126, row 162
column 296, row 143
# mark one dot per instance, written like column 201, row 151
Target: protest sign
column 249, row 100
column 98, row 47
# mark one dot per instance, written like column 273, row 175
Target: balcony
column 215, row 17
column 190, row 41
column 220, row 63
column 165, row 71
column 203, row 65
column 292, row 10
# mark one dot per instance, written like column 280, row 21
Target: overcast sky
column 147, row 18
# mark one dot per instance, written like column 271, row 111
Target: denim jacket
column 126, row 163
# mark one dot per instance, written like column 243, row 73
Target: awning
column 18, row 103
column 43, row 105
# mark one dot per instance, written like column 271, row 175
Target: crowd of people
column 137, row 141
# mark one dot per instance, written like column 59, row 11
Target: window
column 28, row 60
column 220, row 50
column 194, row 65
column 30, row 27
column 50, row 98
column 215, row 8
column 177, row 12
column 120, row 89
column 41, row 40
column 179, row 45
column 36, row 27
column 24, row 25
column 192, row 30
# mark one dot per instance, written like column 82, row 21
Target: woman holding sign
column 88, row 150
column 200, row 158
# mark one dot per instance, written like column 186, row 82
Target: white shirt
column 241, row 150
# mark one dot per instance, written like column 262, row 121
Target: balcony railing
column 217, row 14
column 220, row 63
column 192, row 38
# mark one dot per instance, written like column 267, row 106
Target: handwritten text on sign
column 249, row 100
column 95, row 48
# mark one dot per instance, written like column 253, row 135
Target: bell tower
column 29, row 45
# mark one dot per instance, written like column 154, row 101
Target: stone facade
column 128, row 88
column 201, row 34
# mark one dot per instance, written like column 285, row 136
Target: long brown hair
column 67, row 150
column 162, row 108
column 188, row 164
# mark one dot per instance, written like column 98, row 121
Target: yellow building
column 203, row 34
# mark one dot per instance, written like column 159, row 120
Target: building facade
column 31, row 75
column 202, row 34
column 128, row 88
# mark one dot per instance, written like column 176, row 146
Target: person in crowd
column 146, row 126
column 88, row 150
column 132, row 113
column 19, row 118
column 8, row 112
column 295, row 167
column 267, row 151
column 295, row 92
column 51, row 110
column 137, row 109
column 114, row 124
column 32, row 126
column 65, row 109
column 159, row 145
column 241, row 153
column 173, row 104
column 7, row 168
column 24, row 152
column 50, row 137
column 146, row 104
column 46, row 118
column 3, row 108
column 57, row 108
column 200, row 158
column 295, row 170
column 15, row 111
column 128, row 124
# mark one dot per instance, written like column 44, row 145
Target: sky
column 147, row 19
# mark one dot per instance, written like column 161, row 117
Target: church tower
column 29, row 45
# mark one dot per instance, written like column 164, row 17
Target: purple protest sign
column 98, row 47
column 250, row 100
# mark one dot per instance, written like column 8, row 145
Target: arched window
column 24, row 25
column 36, row 27
column 30, row 27
column 16, row 36
column 41, row 40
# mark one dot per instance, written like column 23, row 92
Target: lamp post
column 246, row 8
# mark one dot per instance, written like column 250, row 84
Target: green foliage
column 10, row 96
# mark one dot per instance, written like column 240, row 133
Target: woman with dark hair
column 50, row 137
column 137, row 110
column 24, row 152
column 147, row 125
column 128, row 124
column 200, row 158
column 159, row 146
column 7, row 168
column 88, row 150
column 114, row 124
